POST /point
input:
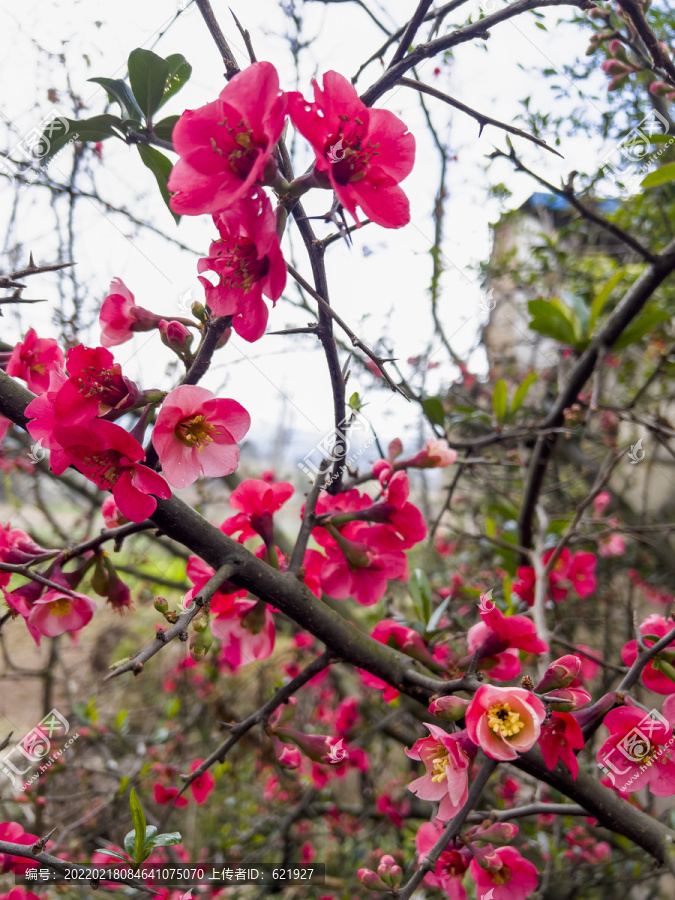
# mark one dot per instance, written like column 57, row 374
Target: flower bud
column 161, row 605
column 450, row 709
column 559, row 674
column 371, row 880
column 288, row 757
column 568, row 699
column 175, row 336
column 199, row 312
column 389, row 871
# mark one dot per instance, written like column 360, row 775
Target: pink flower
column 109, row 456
column 94, row 387
column 435, row 454
column 560, row 673
column 120, row 317
column 201, row 787
column 638, row 752
column 199, row 573
column 55, row 613
column 502, row 664
column 447, row 758
column 582, row 573
column 560, row 736
column 13, row 833
column 361, row 566
column 33, row 359
column 513, row 631
column 451, row 866
column 248, row 261
column 614, row 545
column 246, row 630
column 601, row 502
column 257, row 501
column 362, row 153
column 512, row 878
column 226, row 146
column 504, row 722
column 112, row 517
column 196, row 433
column 164, row 795
column 653, row 628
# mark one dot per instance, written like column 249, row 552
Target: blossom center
column 242, row 150
column 439, row 764
column 243, row 267
column 195, row 431
column 353, row 158
column 60, row 607
column 107, row 386
column 107, row 466
column 504, row 721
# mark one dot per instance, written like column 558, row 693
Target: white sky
column 379, row 286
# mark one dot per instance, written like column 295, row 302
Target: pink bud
column 320, row 748
column 617, row 50
column 389, row 870
column 659, row 89
column 287, row 756
column 601, row 503
column 449, row 708
column 383, row 470
column 559, row 674
column 395, row 449
column 175, row 336
column 616, row 67
column 568, row 699
column 371, row 880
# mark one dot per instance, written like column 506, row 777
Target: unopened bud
column 161, row 605
column 175, row 336
column 559, row 674
column 371, row 880
column 450, row 709
column 389, row 871
column 199, row 312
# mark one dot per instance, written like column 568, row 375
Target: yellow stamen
column 439, row 764
column 504, row 721
column 60, row 607
column 195, row 431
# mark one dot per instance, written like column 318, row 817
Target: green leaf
column 164, row 128
column 138, row 818
column 179, row 73
column 521, row 392
column 499, row 400
column 640, row 327
column 148, row 74
column 164, row 840
column 119, row 92
column 160, row 166
column 549, row 320
column 98, row 128
column 115, row 854
column 661, row 176
column 420, row 591
column 601, row 299
column 433, row 409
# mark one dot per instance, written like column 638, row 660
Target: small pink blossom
column 504, row 721
column 196, row 434
column 55, row 613
column 447, row 758
column 33, row 359
column 510, row 876
column 120, row 317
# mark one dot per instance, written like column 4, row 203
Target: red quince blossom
column 639, row 750
column 201, row 787
column 362, row 153
column 112, row 517
column 653, row 678
column 504, row 721
column 436, row 454
column 110, row 457
column 249, row 263
column 13, row 833
column 226, row 146
column 577, row 570
column 513, row 631
column 560, row 736
column 199, row 573
column 451, row 866
column 196, row 433
column 17, row 548
column 447, row 758
column 365, row 560
column 164, row 795
column 257, row 501
column 120, row 317
column 56, row 612
column 95, row 386
column 409, row 641
column 246, row 630
column 395, row 510
column 510, row 876
column 33, row 359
